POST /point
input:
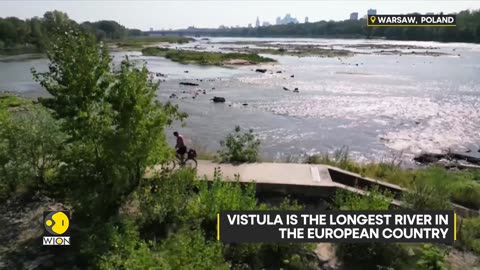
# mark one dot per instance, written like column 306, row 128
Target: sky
column 165, row 14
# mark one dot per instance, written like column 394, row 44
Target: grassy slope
column 463, row 187
column 203, row 58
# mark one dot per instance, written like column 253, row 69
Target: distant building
column 372, row 12
column 288, row 19
column 250, row 25
column 257, row 23
column 264, row 24
column 353, row 16
column 306, row 19
column 151, row 29
column 222, row 27
column 429, row 13
column 278, row 20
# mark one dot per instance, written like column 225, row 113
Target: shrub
column 219, row 196
column 188, row 249
column 374, row 200
column 30, row 146
column 466, row 194
column 367, row 255
column 240, row 147
column 427, row 197
column 432, row 258
column 470, row 234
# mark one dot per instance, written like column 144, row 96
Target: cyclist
column 180, row 146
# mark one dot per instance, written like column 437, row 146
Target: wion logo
column 56, row 225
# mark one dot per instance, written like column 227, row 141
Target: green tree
column 114, row 125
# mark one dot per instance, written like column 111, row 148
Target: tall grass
column 462, row 187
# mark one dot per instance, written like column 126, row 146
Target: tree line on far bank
column 31, row 35
column 467, row 30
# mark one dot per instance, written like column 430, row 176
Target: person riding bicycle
column 180, row 146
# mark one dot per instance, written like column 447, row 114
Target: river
column 378, row 105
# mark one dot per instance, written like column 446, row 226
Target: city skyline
column 166, row 14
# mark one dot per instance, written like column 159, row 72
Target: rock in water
column 261, row 70
column 218, row 99
column 292, row 76
column 286, row 89
column 188, row 83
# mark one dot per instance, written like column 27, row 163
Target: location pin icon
column 373, row 19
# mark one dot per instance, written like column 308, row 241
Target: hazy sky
column 180, row 14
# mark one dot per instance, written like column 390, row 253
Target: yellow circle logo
column 56, row 223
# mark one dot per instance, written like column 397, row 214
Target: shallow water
column 377, row 105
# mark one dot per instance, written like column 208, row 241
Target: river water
column 379, row 106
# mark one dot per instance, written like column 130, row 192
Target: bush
column 431, row 258
column 240, row 147
column 469, row 235
column 186, row 249
column 427, row 197
column 367, row 255
column 466, row 194
column 374, row 200
column 30, row 146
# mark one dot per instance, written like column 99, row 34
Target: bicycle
column 190, row 162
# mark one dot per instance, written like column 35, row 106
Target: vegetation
column 432, row 258
column 431, row 186
column 9, row 101
column 368, row 255
column 240, row 147
column 203, row 58
column 140, row 42
column 32, row 35
column 469, row 234
column 427, row 197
